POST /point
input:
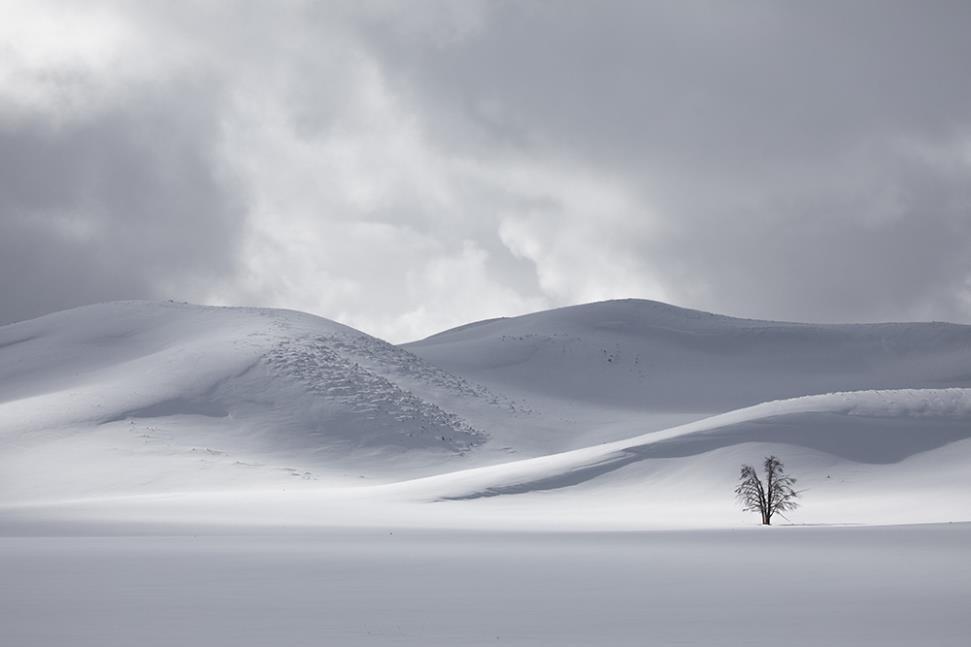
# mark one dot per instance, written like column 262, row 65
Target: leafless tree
column 777, row 494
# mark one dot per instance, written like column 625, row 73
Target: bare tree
column 777, row 494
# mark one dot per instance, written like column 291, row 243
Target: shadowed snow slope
column 870, row 427
column 648, row 355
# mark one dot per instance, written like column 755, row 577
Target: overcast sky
column 404, row 167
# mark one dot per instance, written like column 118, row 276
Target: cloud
column 805, row 162
column 407, row 168
column 124, row 204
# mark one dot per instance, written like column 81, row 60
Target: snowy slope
column 618, row 414
column 652, row 356
column 129, row 395
column 878, row 457
column 865, row 427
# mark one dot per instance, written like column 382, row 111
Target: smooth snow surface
column 649, row 355
column 860, row 587
column 623, row 414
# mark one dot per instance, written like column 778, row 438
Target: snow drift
column 872, row 427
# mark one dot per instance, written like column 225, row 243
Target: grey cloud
column 765, row 138
column 694, row 82
column 781, row 160
column 122, row 204
column 895, row 247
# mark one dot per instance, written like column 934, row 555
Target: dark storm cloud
column 124, row 204
column 407, row 167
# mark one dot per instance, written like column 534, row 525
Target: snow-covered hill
column 135, row 395
column 652, row 356
column 870, row 427
column 615, row 414
column 868, row 457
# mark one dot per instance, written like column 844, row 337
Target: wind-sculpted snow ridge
column 875, row 427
